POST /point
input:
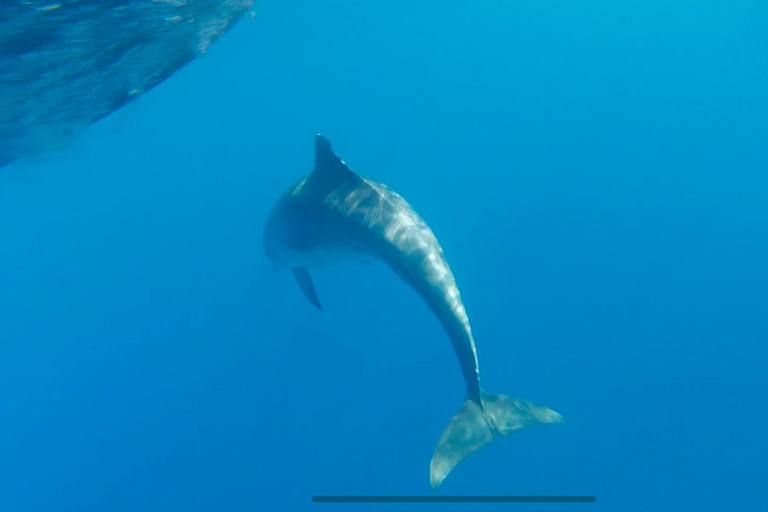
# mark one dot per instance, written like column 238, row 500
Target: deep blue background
column 595, row 172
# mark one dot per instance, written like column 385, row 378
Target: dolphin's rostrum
column 335, row 213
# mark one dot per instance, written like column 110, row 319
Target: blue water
column 596, row 174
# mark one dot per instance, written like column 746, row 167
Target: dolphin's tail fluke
column 475, row 426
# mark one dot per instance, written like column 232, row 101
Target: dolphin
column 333, row 215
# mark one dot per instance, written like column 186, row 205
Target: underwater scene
column 294, row 255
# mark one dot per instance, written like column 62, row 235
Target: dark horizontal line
column 454, row 499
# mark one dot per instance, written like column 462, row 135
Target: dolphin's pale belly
column 324, row 256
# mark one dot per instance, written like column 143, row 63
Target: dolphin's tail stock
column 475, row 426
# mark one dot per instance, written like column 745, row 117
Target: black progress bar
column 454, row 499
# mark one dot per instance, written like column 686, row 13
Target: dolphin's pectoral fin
column 306, row 285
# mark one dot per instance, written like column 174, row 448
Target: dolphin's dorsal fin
column 306, row 285
column 328, row 166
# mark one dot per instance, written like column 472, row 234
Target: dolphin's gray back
column 398, row 235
